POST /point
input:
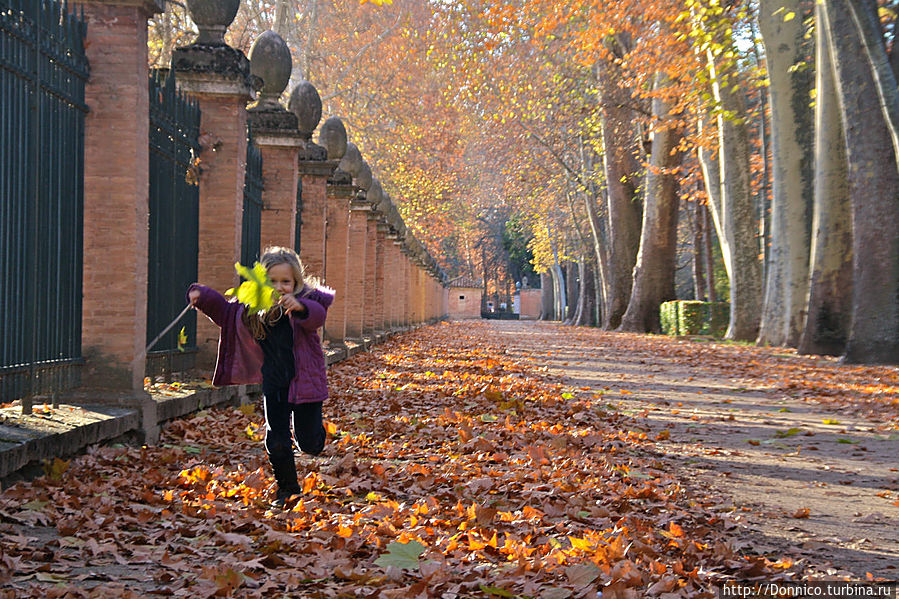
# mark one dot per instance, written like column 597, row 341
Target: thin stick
column 168, row 328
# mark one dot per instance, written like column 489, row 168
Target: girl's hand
column 291, row 304
column 193, row 296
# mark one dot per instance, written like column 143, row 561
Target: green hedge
column 694, row 318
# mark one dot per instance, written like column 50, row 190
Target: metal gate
column 251, row 233
column 174, row 221
column 43, row 70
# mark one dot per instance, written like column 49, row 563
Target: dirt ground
column 807, row 479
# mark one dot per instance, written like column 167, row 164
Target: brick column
column 359, row 301
column 313, row 173
column 405, row 286
column 274, row 131
column 275, row 134
column 219, row 78
column 382, row 317
column 340, row 192
column 116, row 207
column 374, row 305
column 390, row 288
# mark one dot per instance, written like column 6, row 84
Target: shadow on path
column 812, row 481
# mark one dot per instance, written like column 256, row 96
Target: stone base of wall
column 86, row 417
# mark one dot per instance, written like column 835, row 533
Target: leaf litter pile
column 452, row 470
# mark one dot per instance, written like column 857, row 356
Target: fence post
column 218, row 76
column 340, row 192
column 275, row 133
column 374, row 260
column 313, row 170
column 116, row 191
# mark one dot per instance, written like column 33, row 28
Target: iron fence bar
column 43, row 71
column 251, row 233
column 174, row 217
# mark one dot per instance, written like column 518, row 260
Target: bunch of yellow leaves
column 256, row 292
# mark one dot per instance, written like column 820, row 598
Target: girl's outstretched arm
column 209, row 301
column 313, row 316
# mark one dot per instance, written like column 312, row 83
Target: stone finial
column 307, row 105
column 270, row 61
column 375, row 193
column 352, row 160
column 332, row 135
column 364, row 178
column 385, row 205
column 212, row 18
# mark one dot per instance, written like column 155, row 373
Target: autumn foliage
column 453, row 469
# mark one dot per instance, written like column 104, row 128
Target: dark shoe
column 282, row 497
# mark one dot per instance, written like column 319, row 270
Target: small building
column 465, row 295
column 527, row 302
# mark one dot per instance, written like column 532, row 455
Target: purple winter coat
column 240, row 358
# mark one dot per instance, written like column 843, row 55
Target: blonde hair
column 272, row 256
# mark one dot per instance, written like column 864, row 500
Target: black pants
column 308, row 430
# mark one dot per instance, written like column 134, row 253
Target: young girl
column 281, row 348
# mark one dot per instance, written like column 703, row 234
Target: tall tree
column 727, row 174
column 874, row 189
column 654, row 270
column 791, row 79
column 621, row 168
column 829, row 308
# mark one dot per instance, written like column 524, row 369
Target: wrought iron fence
column 43, row 70
column 174, row 222
column 252, row 206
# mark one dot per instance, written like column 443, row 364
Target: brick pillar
column 391, row 289
column 314, row 171
column 381, row 318
column 116, row 184
column 219, row 78
column 116, row 206
column 275, row 133
column 369, row 324
column 405, row 286
column 279, row 173
column 337, row 240
column 358, row 299
column 420, row 294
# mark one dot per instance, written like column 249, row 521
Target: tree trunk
column 727, row 177
column 792, row 127
column 873, row 187
column 621, row 170
column 587, row 310
column 572, row 291
column 829, row 308
column 279, row 25
column 699, row 286
column 709, row 255
column 654, row 270
column 558, row 291
column 866, row 18
column 164, row 26
column 598, row 234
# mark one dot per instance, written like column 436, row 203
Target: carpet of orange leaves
column 505, row 482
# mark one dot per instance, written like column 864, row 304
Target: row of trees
column 625, row 142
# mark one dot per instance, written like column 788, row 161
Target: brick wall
column 530, row 304
column 465, row 302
